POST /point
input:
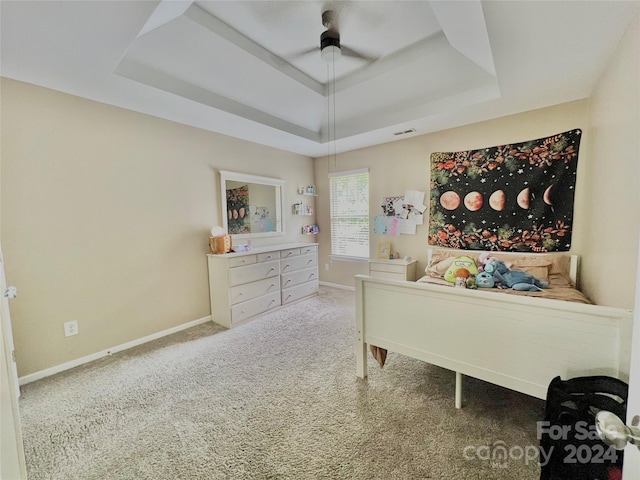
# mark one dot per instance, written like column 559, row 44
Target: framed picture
column 384, row 250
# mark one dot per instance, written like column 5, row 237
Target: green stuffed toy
column 463, row 262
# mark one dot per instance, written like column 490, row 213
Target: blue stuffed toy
column 503, row 277
column 485, row 280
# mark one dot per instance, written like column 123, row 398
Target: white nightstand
column 398, row 269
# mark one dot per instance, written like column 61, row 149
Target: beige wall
column 404, row 165
column 614, row 178
column 607, row 183
column 106, row 215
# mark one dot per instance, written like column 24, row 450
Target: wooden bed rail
column 517, row 342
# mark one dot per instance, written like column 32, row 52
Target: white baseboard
column 337, row 285
column 47, row 372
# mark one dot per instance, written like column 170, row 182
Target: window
column 349, row 192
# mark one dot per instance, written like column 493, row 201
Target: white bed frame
column 517, row 342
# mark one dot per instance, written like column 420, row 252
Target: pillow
column 550, row 268
column 461, row 261
column 538, row 267
column 438, row 267
column 540, row 272
column 559, row 271
column 557, row 266
column 441, row 260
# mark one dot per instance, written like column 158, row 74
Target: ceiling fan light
column 330, row 53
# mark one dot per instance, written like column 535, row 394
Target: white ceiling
column 237, row 67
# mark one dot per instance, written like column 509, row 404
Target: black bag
column 570, row 448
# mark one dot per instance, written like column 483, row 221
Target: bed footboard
column 517, row 342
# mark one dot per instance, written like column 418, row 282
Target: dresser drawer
column 299, row 262
column 248, row 291
column 289, row 253
column 245, row 310
column 251, row 273
column 393, row 270
column 387, row 267
column 309, row 249
column 245, row 285
column 265, row 257
column 299, row 276
column 299, row 291
column 243, row 260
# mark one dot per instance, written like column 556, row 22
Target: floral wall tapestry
column 516, row 197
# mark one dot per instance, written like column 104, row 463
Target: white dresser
column 244, row 285
column 397, row 269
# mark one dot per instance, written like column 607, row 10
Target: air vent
column 411, row 130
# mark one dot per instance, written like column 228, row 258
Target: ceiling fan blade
column 349, row 52
column 303, row 53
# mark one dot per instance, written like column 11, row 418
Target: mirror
column 251, row 205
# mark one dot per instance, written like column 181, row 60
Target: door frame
column 12, row 459
column 631, row 470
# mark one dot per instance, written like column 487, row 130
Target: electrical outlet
column 71, row 328
column 326, row 266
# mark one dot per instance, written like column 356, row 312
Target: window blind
column 349, row 204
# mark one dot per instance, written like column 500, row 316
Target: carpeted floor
column 276, row 398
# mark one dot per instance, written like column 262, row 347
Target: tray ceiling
column 253, row 70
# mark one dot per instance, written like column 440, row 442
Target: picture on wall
column 238, row 210
column 516, row 197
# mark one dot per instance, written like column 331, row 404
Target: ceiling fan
column 330, row 47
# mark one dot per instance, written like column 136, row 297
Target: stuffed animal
column 461, row 282
column 483, row 259
column 458, row 263
column 485, row 280
column 503, row 277
column 487, row 257
column 462, row 274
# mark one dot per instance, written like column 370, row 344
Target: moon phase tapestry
column 516, row 197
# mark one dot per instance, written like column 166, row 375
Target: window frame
column 342, row 256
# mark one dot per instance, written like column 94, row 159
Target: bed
column 518, row 340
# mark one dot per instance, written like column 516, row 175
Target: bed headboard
column 574, row 264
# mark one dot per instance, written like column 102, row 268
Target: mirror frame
column 244, row 177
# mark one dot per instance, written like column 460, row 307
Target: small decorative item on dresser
column 384, row 250
column 242, row 247
column 221, row 244
column 219, row 241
